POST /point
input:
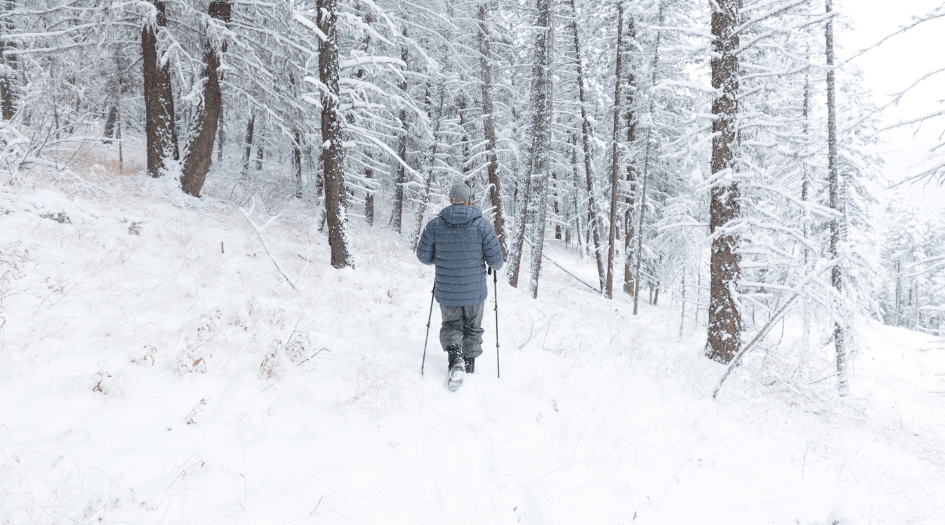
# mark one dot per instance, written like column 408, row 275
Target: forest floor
column 156, row 367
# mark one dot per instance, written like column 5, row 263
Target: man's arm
column 490, row 246
column 426, row 248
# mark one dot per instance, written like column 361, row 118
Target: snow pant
column 462, row 326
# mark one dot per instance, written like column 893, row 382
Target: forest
column 721, row 302
column 719, row 153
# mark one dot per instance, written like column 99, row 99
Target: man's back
column 459, row 241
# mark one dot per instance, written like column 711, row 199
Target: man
column 458, row 241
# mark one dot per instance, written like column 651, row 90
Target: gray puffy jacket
column 460, row 241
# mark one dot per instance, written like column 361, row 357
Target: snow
column 166, row 377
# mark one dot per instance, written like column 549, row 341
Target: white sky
column 894, row 66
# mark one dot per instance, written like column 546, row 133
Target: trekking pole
column 495, row 280
column 429, row 317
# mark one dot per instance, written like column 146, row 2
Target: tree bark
column 576, row 183
column 248, row 145
column 437, row 117
column 221, row 138
column 615, row 157
column 557, row 207
column 464, row 142
column 160, row 125
column 898, row 321
column 725, row 323
column 397, row 214
column 543, row 105
column 9, row 63
column 521, row 213
column 369, row 195
column 646, row 168
column 297, row 161
column 805, row 196
column 833, row 179
column 200, row 153
column 586, row 142
column 539, row 130
column 628, row 282
column 488, row 129
column 110, row 121
column 333, row 151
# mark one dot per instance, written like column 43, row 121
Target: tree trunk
column 8, row 78
column 437, row 118
column 160, row 126
column 833, row 179
column 397, row 214
column 615, row 157
column 725, row 323
column 221, row 137
column 464, row 142
column 121, row 153
column 557, row 208
column 368, row 172
column 682, row 316
column 540, row 78
column 259, row 155
column 574, row 193
column 628, row 281
column 333, row 151
column 248, row 145
column 297, row 162
column 369, row 195
column 204, row 132
column 543, row 105
column 916, row 324
column 110, row 121
column 805, row 196
column 646, row 168
column 898, row 319
column 588, row 164
column 521, row 213
column 488, row 129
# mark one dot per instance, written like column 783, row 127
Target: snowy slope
column 159, row 378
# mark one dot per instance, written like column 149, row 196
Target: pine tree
column 200, row 150
column 333, row 156
column 543, row 107
column 725, row 324
column 158, row 96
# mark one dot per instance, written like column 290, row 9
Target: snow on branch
column 302, row 19
column 938, row 12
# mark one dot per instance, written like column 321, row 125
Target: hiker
column 460, row 242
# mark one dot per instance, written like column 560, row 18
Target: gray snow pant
column 462, row 326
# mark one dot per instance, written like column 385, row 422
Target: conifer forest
column 711, row 168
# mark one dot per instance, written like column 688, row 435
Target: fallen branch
column 769, row 325
column 259, row 231
column 764, row 331
column 549, row 259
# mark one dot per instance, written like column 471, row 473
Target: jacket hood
column 459, row 214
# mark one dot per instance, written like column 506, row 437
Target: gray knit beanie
column 459, row 193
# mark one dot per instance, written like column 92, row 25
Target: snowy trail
column 134, row 374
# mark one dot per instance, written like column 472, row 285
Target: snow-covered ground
column 174, row 376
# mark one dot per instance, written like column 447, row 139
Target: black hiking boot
column 470, row 365
column 457, row 367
